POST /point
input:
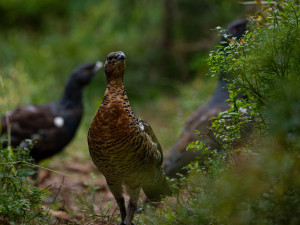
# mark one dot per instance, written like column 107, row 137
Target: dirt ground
column 77, row 194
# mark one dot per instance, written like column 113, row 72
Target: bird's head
column 115, row 65
column 84, row 73
column 235, row 30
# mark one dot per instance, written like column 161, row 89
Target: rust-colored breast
column 118, row 144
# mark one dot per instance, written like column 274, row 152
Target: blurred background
column 166, row 44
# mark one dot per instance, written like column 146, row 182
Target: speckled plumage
column 124, row 147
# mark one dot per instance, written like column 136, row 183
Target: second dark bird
column 124, row 147
column 179, row 157
column 51, row 125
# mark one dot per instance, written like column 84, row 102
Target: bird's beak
column 98, row 65
column 122, row 56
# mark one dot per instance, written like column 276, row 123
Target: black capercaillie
column 178, row 157
column 51, row 125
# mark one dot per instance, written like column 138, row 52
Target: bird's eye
column 109, row 58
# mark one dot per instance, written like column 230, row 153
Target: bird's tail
column 157, row 188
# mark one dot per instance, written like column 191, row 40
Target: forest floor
column 75, row 193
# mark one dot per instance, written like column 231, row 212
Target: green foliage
column 257, row 70
column 264, row 67
column 212, row 12
column 255, row 178
column 20, row 199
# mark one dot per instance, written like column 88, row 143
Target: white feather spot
column 58, row 121
column 141, row 126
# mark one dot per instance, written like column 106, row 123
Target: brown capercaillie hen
column 124, row 147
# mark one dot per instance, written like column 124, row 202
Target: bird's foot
column 125, row 224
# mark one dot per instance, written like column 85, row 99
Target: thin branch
column 62, row 182
column 36, row 166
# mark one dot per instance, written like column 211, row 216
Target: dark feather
column 199, row 120
column 51, row 125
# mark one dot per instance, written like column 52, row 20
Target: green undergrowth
column 20, row 199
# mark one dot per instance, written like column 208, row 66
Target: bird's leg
column 116, row 190
column 132, row 205
column 121, row 204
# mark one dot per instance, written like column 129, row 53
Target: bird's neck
column 115, row 91
column 72, row 93
column 115, row 112
column 221, row 93
column 114, row 85
column 114, row 79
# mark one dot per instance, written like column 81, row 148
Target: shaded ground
column 76, row 193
